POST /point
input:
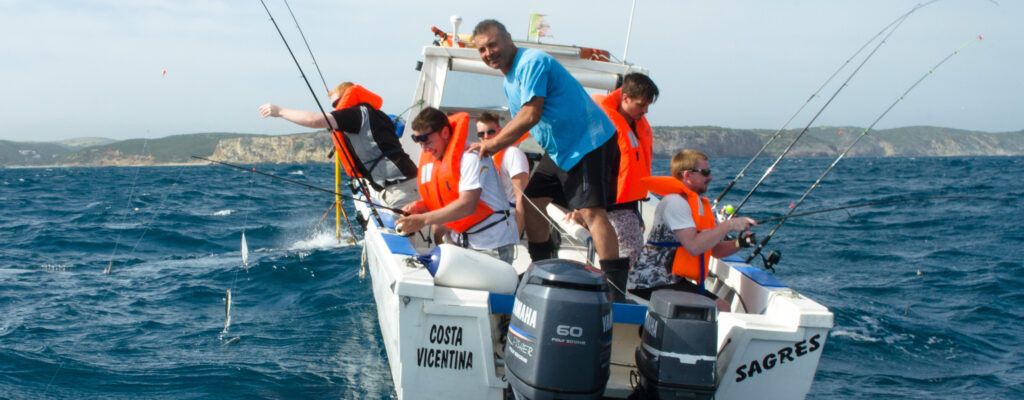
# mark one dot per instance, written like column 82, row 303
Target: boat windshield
column 470, row 92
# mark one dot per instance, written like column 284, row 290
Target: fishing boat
column 446, row 338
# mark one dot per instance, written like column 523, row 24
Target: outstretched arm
column 308, row 119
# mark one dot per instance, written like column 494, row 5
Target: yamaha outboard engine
column 678, row 353
column 560, row 337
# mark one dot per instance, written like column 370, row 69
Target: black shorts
column 585, row 185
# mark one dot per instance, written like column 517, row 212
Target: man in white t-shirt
column 513, row 167
column 677, row 226
column 471, row 203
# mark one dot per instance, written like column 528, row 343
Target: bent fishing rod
column 779, row 132
column 327, row 90
column 760, row 246
column 348, row 161
column 306, row 185
column 792, row 143
column 859, row 205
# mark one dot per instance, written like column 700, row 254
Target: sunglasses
column 422, row 138
column 705, row 171
column 487, row 132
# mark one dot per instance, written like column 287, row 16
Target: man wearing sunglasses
column 460, row 190
column 577, row 137
column 684, row 235
column 365, row 140
column 513, row 167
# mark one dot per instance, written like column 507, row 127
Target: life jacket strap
column 464, row 236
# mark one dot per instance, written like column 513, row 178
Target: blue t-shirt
column 571, row 124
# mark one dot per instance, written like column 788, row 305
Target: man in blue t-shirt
column 576, row 135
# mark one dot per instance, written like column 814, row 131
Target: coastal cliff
column 717, row 142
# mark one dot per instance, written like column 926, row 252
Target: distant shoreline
column 100, row 166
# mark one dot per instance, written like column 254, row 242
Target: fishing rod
column 306, row 185
column 348, row 224
column 858, row 205
column 760, row 246
column 778, row 133
column 335, row 133
column 307, row 46
column 771, row 168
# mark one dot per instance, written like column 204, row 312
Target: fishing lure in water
column 245, row 252
column 227, row 312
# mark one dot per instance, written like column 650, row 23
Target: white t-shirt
column 513, row 163
column 480, row 174
column 674, row 212
column 651, row 268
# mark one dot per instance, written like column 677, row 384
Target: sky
column 96, row 67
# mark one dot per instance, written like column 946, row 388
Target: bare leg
column 537, row 227
column 605, row 241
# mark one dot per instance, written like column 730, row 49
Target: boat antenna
column 771, row 168
column 337, row 135
column 326, row 89
column 306, row 185
column 792, row 208
column 778, row 133
column 629, row 29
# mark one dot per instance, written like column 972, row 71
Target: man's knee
column 590, row 213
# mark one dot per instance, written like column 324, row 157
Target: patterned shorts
column 628, row 229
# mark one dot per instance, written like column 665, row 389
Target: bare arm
column 458, row 209
column 527, row 117
column 711, row 239
column 308, row 119
column 519, row 182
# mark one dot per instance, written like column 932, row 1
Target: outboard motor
column 560, row 337
column 678, row 353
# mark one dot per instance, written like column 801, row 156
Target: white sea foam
column 324, row 239
column 860, row 337
column 221, row 213
column 299, row 172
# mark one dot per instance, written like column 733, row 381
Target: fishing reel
column 772, row 259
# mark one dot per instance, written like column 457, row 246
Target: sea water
column 927, row 295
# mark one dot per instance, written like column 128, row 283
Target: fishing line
column 306, row 185
column 348, row 223
column 771, row 168
column 778, row 133
column 131, row 192
column 244, row 253
column 148, row 224
column 866, row 204
column 307, row 46
column 334, row 133
column 792, row 208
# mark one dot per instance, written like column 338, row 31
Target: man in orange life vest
column 365, row 139
column 459, row 189
column 513, row 167
column 684, row 234
column 626, row 107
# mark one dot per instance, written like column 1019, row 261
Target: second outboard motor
column 560, row 337
column 678, row 353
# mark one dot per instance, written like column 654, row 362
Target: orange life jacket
column 499, row 156
column 438, row 180
column 684, row 264
column 352, row 96
column 635, row 150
